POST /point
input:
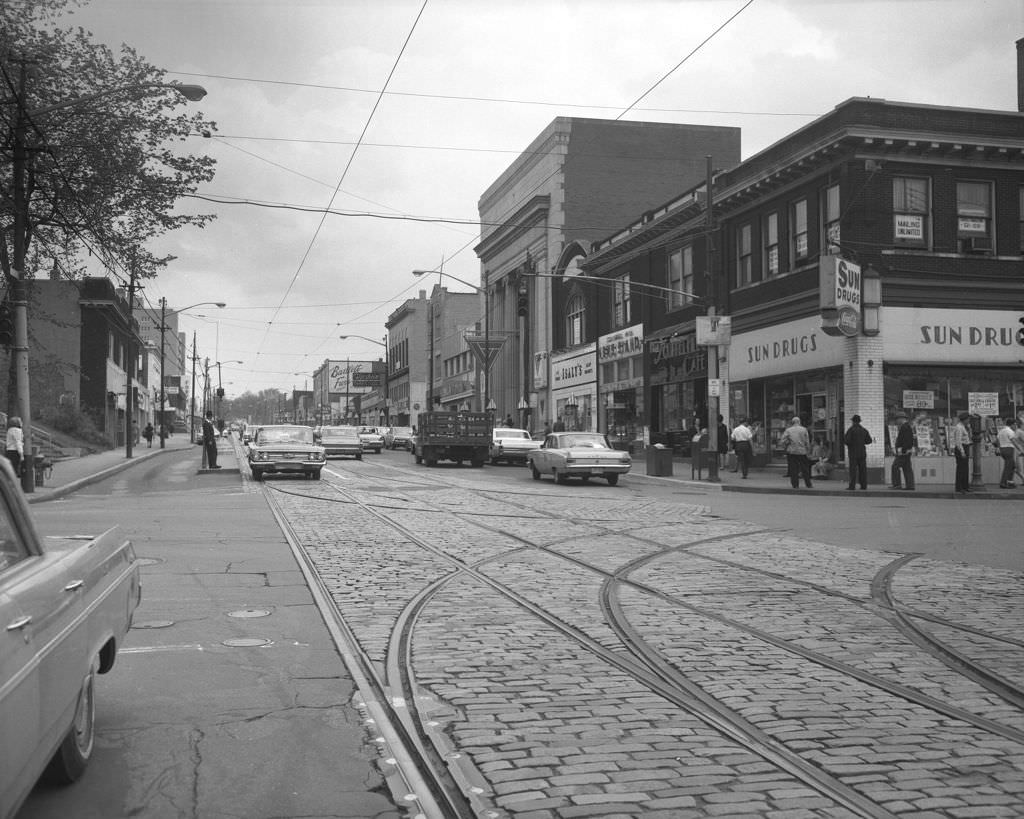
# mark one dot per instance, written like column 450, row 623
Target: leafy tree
column 104, row 173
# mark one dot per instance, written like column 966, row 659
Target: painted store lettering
column 783, row 348
column 946, row 334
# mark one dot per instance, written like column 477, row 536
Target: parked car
column 283, row 449
column 511, row 445
column 341, row 442
column 372, row 439
column 582, row 455
column 399, row 438
column 66, row 606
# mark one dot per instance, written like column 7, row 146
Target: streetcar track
column 644, row 662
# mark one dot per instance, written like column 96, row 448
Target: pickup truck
column 66, row 603
column 452, row 436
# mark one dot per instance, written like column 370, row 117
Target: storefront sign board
column 948, row 336
column 792, row 347
column 918, row 399
column 840, row 296
column 624, row 343
column 573, row 370
column 983, row 403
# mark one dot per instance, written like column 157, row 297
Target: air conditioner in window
column 978, row 244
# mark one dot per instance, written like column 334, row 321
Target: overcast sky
column 293, row 85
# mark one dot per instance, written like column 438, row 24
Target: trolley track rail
column 640, row 659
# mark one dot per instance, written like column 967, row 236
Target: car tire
column 257, row 475
column 316, row 474
column 477, row 463
column 419, row 458
column 534, row 471
column 560, row 477
column 612, row 478
column 69, row 762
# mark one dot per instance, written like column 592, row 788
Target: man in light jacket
column 797, row 444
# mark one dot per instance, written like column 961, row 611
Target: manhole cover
column 246, row 642
column 154, row 624
column 249, row 613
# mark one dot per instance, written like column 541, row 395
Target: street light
column 387, row 371
column 220, row 386
column 163, row 328
column 19, row 299
column 487, row 339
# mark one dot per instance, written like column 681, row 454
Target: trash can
column 659, row 460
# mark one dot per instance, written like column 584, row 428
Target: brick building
column 576, row 182
column 928, row 201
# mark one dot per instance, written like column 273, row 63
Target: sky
column 295, row 87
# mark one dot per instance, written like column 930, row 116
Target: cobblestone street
column 627, row 654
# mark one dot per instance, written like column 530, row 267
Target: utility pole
column 192, row 394
column 712, row 292
column 130, row 355
column 20, row 287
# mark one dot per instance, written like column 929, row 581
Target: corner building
column 578, row 180
column 925, row 201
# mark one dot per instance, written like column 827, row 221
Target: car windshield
column 512, row 433
column 286, row 435
column 592, row 440
column 338, row 433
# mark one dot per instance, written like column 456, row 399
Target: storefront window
column 933, row 396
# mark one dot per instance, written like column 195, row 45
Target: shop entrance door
column 812, row 407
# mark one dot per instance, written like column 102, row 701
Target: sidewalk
column 71, row 474
column 770, row 480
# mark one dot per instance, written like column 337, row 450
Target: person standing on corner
column 1008, row 452
column 906, row 443
column 796, row 442
column 857, row 440
column 742, row 447
column 960, row 443
column 15, row 446
column 210, row 440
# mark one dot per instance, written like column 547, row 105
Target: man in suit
column 210, row 440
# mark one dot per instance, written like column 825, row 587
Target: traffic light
column 6, row 324
column 523, row 302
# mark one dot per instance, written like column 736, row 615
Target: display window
column 933, row 396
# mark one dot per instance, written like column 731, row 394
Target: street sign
column 484, row 347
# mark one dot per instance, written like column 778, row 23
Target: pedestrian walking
column 857, row 439
column 210, row 440
column 796, row 443
column 1008, row 452
column 15, row 446
column 959, row 444
column 148, row 433
column 906, row 443
column 741, row 444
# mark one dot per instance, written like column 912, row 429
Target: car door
column 39, row 657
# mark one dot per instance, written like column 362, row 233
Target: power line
column 502, row 100
column 687, row 57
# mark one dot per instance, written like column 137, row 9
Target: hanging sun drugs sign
column 840, row 285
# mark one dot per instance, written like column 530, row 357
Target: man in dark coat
column 857, row 440
column 210, row 440
column 903, row 448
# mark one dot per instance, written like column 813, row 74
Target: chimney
column 1020, row 75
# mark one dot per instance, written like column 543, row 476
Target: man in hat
column 857, row 439
column 960, row 444
column 906, row 443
